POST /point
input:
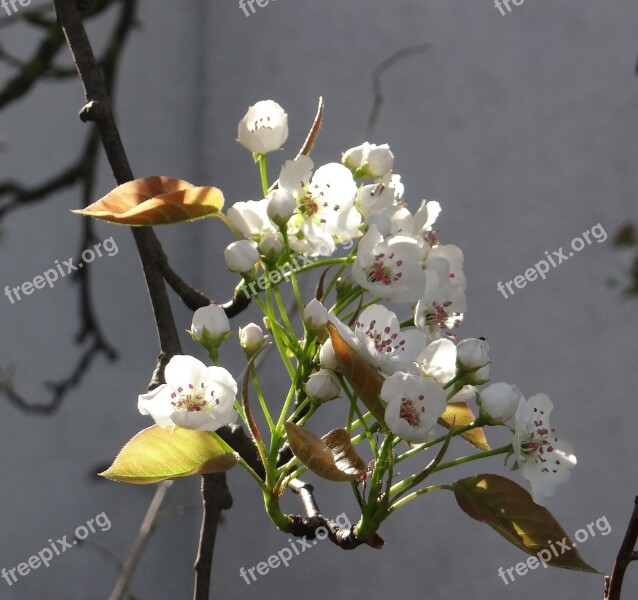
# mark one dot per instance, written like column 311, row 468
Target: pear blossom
column 251, row 338
column 376, row 197
column 251, row 219
column 384, row 345
column 327, row 356
column 325, row 211
column 323, row 386
column 472, row 353
column 369, row 160
column 414, row 405
column 544, row 460
column 270, row 248
column 210, row 326
column 315, row 316
column 281, row 206
column 193, row 397
column 438, row 360
column 498, row 402
column 241, row 256
column 389, row 268
column 264, row 127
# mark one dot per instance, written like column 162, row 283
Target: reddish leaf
column 331, row 457
column 155, row 201
column 461, row 414
column 363, row 377
column 510, row 511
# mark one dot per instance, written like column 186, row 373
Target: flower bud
column 378, row 160
column 498, row 402
column 323, row 386
column 210, row 325
column 343, row 287
column 270, row 248
column 479, row 376
column 281, row 206
column 327, row 356
column 369, row 160
column 251, row 339
column 472, row 354
column 241, row 256
column 315, row 316
column 264, row 128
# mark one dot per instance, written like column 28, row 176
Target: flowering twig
column 626, row 554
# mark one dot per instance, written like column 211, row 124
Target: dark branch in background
column 98, row 108
column 376, row 82
column 82, row 173
column 626, row 554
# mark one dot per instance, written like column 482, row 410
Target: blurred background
column 523, row 125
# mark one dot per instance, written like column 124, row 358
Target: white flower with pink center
column 193, row 397
column 545, row 460
column 389, row 268
column 443, row 304
column 384, row 345
column 414, row 405
column 325, row 212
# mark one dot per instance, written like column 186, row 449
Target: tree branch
column 626, row 554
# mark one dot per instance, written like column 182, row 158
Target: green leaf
column 155, row 454
column 155, row 201
column 509, row 509
column 461, row 415
column 332, row 457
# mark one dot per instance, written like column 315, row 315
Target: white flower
column 241, row 256
column 315, row 316
column 264, row 127
column 281, row 206
column 545, row 461
column 193, row 397
column 327, row 356
column 270, row 247
column 384, row 345
column 369, row 159
column 323, row 386
column 251, row 219
column 325, row 211
column 414, row 405
column 438, row 360
column 472, row 353
column 389, row 268
column 375, row 197
column 210, row 325
column 251, row 338
column 498, row 402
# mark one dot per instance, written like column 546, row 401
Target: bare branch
column 626, row 554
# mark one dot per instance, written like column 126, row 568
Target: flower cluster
column 408, row 366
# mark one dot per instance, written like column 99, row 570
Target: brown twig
column 147, row 528
column 626, row 554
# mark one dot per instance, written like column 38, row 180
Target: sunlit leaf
column 363, row 377
column 155, row 454
column 510, row 511
column 461, row 414
column 155, row 201
column 331, row 457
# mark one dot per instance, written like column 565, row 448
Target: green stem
column 263, row 172
column 413, row 495
column 242, row 462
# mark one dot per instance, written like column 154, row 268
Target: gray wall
column 523, row 126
